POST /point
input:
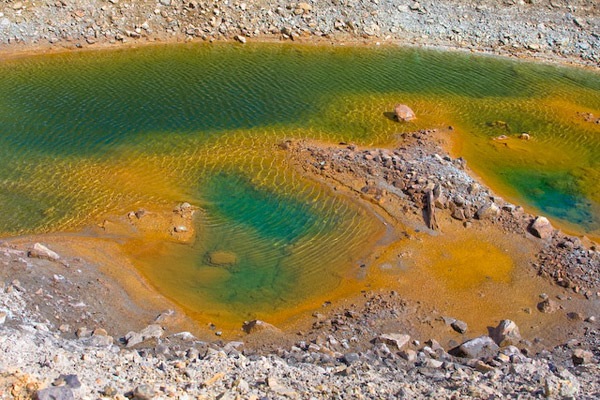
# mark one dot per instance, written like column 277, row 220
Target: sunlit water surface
column 84, row 135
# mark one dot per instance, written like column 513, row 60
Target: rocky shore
column 567, row 31
column 58, row 342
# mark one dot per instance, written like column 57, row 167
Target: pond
column 90, row 134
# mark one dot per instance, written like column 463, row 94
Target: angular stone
column 2, row 317
column 55, row 393
column 398, row 340
column 42, row 252
column 459, row 326
column 506, row 333
column 481, row 347
column 487, row 211
column 541, row 228
column 403, row 113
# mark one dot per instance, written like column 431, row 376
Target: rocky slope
column 58, row 342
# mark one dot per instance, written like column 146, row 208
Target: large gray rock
column 541, row 228
column 481, row 347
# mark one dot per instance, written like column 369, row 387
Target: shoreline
column 36, row 50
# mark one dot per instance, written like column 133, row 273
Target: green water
column 85, row 135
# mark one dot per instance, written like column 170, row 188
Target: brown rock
column 403, row 113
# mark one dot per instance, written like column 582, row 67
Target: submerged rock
column 222, row 258
column 403, row 113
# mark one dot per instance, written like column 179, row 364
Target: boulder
column 222, row 258
column 403, row 113
column 481, row 347
column 506, row 333
column 541, row 228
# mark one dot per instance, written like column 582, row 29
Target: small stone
column 143, row 392
column 240, row 38
column 524, row 136
column 55, row 393
column 547, row 306
column 165, row 2
column 582, row 357
column 459, row 326
column 506, row 333
column 3, row 316
column 541, row 228
column 398, row 340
